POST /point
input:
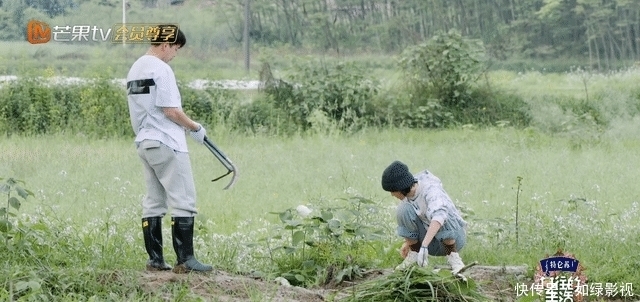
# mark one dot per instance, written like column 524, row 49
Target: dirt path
column 497, row 283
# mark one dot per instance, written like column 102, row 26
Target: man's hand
column 422, row 256
column 199, row 134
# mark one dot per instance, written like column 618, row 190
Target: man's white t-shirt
column 152, row 85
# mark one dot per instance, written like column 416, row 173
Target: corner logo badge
column 551, row 278
column 38, row 32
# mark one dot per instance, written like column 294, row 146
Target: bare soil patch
column 497, row 283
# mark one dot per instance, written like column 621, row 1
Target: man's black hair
column 180, row 39
column 406, row 191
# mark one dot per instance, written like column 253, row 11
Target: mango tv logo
column 38, row 32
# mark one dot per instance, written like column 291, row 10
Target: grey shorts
column 169, row 181
column 411, row 227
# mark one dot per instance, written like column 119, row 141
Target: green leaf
column 300, row 277
column 22, row 192
column 334, row 224
column 5, row 225
column 4, row 188
column 318, row 218
column 14, row 203
column 326, row 215
column 285, row 216
column 297, row 237
column 445, row 273
column 528, row 298
column 292, row 224
column 307, row 264
column 27, row 285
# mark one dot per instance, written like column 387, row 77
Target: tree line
column 603, row 33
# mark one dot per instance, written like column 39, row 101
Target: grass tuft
column 416, row 284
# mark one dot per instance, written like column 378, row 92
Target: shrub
column 491, row 107
column 430, row 115
column 443, row 68
column 103, row 110
column 8, row 212
column 261, row 116
column 443, row 90
column 340, row 92
column 30, row 107
column 34, row 106
column 97, row 107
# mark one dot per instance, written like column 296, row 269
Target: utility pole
column 247, row 24
column 124, row 20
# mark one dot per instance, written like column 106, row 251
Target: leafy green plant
column 431, row 115
column 210, row 105
column 328, row 245
column 262, row 116
column 340, row 91
column 7, row 187
column 444, row 68
column 98, row 107
column 103, row 109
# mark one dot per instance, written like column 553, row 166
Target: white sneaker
column 411, row 259
column 455, row 261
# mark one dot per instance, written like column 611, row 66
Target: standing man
column 155, row 109
column 427, row 219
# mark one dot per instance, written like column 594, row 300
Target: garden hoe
column 226, row 162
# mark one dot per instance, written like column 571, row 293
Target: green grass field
column 578, row 189
column 569, row 181
column 581, row 200
column 114, row 60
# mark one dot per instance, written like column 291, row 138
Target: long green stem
column 6, row 214
column 517, row 207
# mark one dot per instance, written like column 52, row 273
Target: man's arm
column 178, row 116
column 433, row 228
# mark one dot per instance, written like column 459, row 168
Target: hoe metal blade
column 226, row 162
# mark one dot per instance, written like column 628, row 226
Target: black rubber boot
column 182, row 232
column 152, row 231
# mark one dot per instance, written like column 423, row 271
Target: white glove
column 422, row 256
column 408, row 261
column 199, row 134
